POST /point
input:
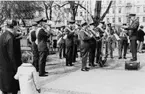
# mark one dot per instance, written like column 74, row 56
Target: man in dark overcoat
column 8, row 66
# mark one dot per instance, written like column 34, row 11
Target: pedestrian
column 27, row 76
column 8, row 65
column 133, row 27
column 140, row 37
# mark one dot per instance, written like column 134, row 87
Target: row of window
column 120, row 19
column 113, row 20
column 138, row 9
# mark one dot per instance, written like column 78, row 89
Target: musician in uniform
column 42, row 36
column 92, row 49
column 123, row 43
column 85, row 37
column 100, row 31
column 32, row 39
column 110, row 40
column 133, row 27
column 69, row 45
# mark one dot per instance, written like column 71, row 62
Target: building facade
column 118, row 13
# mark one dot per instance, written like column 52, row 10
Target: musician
column 69, row 44
column 133, row 27
column 42, row 35
column 99, row 29
column 61, row 43
column 32, row 39
column 110, row 40
column 123, row 43
column 85, row 37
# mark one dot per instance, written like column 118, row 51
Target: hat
column 124, row 24
column 84, row 24
column 71, row 22
column 109, row 24
column 132, row 14
column 92, row 23
column 141, row 26
column 102, row 22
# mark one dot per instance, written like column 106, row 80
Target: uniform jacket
column 28, row 79
column 69, row 39
column 8, row 66
column 42, row 40
column 133, row 29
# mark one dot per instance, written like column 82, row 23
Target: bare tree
column 48, row 6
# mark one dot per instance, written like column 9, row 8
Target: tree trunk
column 97, row 12
column 50, row 14
column 107, row 10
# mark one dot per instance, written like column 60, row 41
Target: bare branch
column 86, row 10
column 106, row 10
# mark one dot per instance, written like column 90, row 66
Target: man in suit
column 8, row 64
column 133, row 27
column 42, row 35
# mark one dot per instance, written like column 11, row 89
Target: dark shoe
column 71, row 64
column 46, row 72
column 124, row 57
column 43, row 75
column 84, row 70
column 120, row 58
column 133, row 59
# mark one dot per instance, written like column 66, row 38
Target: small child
column 27, row 76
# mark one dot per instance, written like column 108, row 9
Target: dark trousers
column 123, row 47
column 92, row 53
column 98, row 54
column 74, row 53
column 84, row 54
column 69, row 52
column 133, row 48
column 42, row 62
column 35, row 56
column 14, row 92
column 62, row 50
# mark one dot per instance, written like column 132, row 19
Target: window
column 120, row 1
column 119, row 19
column 107, row 19
column 113, row 10
column 138, row 9
column 113, row 20
column 81, row 13
column 144, row 9
column 143, row 19
column 119, row 10
column 138, row 18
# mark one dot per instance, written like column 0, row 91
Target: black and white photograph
column 72, row 46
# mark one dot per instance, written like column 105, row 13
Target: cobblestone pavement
column 112, row 79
